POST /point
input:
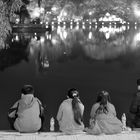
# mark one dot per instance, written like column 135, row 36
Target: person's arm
column 93, row 114
column 93, row 111
column 82, row 108
column 59, row 114
column 41, row 108
column 112, row 109
column 12, row 111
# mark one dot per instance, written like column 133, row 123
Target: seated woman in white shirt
column 103, row 116
column 70, row 113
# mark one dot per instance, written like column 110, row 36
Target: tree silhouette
column 7, row 9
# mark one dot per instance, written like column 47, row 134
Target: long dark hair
column 74, row 94
column 102, row 98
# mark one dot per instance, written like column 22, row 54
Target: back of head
column 74, row 94
column 27, row 89
column 103, row 96
column 102, row 99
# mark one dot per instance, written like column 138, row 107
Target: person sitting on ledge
column 70, row 113
column 103, row 116
column 135, row 108
column 26, row 115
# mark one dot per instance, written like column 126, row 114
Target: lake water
column 89, row 59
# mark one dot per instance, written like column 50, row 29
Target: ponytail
column 77, row 111
column 103, row 103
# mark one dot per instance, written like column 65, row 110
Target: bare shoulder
column 111, row 105
column 96, row 105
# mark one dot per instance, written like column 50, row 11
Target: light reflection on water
column 97, row 44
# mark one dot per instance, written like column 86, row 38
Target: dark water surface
column 87, row 59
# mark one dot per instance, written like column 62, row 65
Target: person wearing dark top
column 135, row 108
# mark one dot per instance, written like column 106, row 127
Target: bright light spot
column 50, row 36
column 54, row 41
column 111, row 31
column 58, row 30
column 107, row 14
column 128, row 27
column 107, row 35
column 42, row 39
column 109, row 17
column 42, row 10
column 65, row 13
column 90, row 13
column 54, row 8
column 52, row 27
column 35, row 13
column 64, row 27
column 35, row 37
column 90, row 35
column 46, row 64
column 137, row 37
column 17, row 38
column 83, row 26
column 17, row 20
column 65, row 34
column 136, row 40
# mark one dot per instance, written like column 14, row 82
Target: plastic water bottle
column 124, row 122
column 52, row 123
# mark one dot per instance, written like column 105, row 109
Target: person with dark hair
column 135, row 108
column 70, row 113
column 26, row 115
column 103, row 116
